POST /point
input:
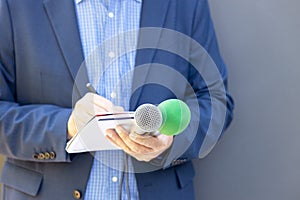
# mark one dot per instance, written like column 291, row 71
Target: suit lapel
column 62, row 17
column 153, row 16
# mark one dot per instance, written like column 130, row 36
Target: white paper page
column 92, row 136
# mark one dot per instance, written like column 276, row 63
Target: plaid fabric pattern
column 109, row 58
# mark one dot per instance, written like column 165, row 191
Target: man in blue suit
column 42, row 46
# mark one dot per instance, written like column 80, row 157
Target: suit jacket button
column 47, row 155
column 35, row 156
column 52, row 155
column 41, row 156
column 174, row 162
column 77, row 194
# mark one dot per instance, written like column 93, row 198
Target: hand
column 143, row 148
column 87, row 107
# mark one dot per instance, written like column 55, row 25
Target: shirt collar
column 79, row 1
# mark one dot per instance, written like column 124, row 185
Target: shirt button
column 111, row 14
column 111, row 54
column 114, row 179
column 113, row 95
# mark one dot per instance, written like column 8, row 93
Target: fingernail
column 118, row 128
column 109, row 134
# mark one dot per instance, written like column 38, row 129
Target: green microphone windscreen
column 176, row 116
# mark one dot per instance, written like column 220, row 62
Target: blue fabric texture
column 110, row 60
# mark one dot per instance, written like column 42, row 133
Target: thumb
column 117, row 109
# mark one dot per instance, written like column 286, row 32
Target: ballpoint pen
column 91, row 89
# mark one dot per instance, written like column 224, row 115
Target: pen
column 90, row 87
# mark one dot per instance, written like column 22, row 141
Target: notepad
column 92, row 136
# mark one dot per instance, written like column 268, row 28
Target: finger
column 96, row 110
column 167, row 140
column 83, row 114
column 86, row 105
column 118, row 109
column 100, row 101
column 155, row 142
column 139, row 158
column 135, row 147
column 148, row 141
column 103, row 103
column 81, row 119
column 112, row 136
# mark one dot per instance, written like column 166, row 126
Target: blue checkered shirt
column 110, row 61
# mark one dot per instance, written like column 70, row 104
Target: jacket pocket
column 21, row 179
column 185, row 174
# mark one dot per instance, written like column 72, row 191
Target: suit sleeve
column 213, row 106
column 26, row 131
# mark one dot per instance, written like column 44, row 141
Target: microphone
column 171, row 117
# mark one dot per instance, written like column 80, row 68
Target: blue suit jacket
column 40, row 56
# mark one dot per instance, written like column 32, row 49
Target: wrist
column 71, row 128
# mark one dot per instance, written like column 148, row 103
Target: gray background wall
column 259, row 156
column 1, row 164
